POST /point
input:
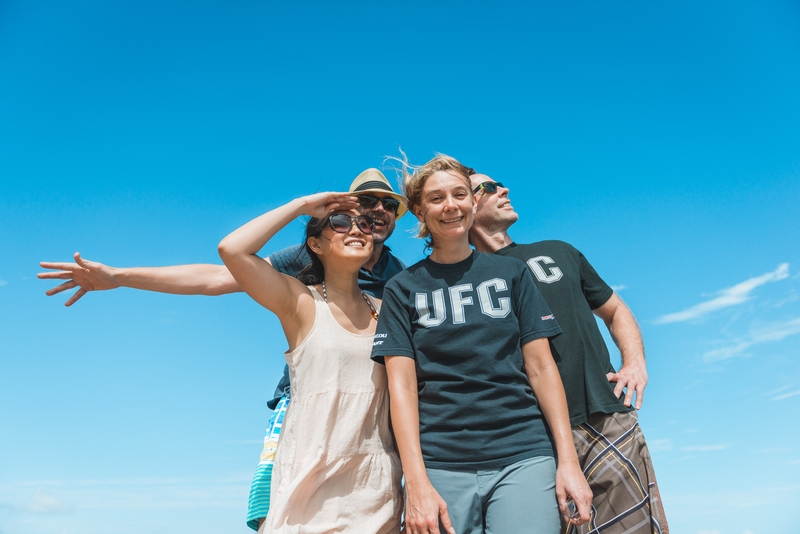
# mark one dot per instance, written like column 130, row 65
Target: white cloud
column 43, row 502
column 727, row 297
column 618, row 288
column 786, row 395
column 657, row 445
column 705, row 448
column 709, row 532
column 775, row 332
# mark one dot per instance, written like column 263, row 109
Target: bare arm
column 192, row 279
column 632, row 376
column 546, row 383
column 279, row 293
column 424, row 505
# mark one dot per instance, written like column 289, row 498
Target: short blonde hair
column 414, row 179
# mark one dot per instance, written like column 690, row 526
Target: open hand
column 85, row 274
column 320, row 205
column 633, row 379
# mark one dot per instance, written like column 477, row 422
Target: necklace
column 366, row 299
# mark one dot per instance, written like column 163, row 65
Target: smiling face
column 384, row 219
column 332, row 246
column 494, row 212
column 446, row 207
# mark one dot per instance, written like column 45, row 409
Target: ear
column 417, row 210
column 313, row 244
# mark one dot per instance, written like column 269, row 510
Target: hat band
column 375, row 184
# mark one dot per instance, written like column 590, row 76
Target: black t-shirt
column 464, row 324
column 572, row 289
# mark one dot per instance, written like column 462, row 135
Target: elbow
column 225, row 250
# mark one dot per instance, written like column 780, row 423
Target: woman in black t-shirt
column 464, row 337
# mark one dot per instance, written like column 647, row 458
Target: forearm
column 549, row 392
column 247, row 240
column 405, row 422
column 624, row 330
column 626, row 335
column 192, row 279
column 546, row 383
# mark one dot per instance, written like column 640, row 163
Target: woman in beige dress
column 336, row 468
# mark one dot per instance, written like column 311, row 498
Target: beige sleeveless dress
column 336, row 468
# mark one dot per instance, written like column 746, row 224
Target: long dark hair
column 314, row 272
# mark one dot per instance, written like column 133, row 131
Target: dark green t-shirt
column 572, row 289
column 464, row 325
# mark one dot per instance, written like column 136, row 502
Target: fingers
column 639, row 396
column 60, row 275
column 444, row 517
column 75, row 297
column 584, row 505
column 61, row 266
column 620, row 383
column 80, row 261
column 58, row 289
column 629, row 395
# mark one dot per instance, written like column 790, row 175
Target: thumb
column 612, row 377
column 80, row 261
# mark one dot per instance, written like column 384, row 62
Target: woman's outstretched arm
column 546, row 383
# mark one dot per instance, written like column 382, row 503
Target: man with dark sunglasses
column 605, row 427
column 378, row 201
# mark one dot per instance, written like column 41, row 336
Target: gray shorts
column 517, row 498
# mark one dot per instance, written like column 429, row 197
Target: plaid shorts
column 616, row 462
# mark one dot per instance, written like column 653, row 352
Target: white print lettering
column 380, row 336
column 377, row 343
column 538, row 269
column 459, row 299
column 439, row 313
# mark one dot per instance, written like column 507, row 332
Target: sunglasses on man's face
column 489, row 187
column 341, row 223
column 389, row 204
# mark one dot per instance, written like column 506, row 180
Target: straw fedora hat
column 373, row 181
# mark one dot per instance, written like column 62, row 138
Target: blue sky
column 661, row 140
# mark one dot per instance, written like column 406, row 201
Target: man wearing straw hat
column 377, row 200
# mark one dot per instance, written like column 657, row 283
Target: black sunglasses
column 389, row 204
column 341, row 223
column 489, row 187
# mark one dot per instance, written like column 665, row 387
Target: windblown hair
column 414, row 179
column 314, row 272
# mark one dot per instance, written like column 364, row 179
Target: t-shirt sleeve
column 290, row 260
column 393, row 333
column 535, row 318
column 595, row 290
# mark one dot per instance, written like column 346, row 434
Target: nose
column 354, row 229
